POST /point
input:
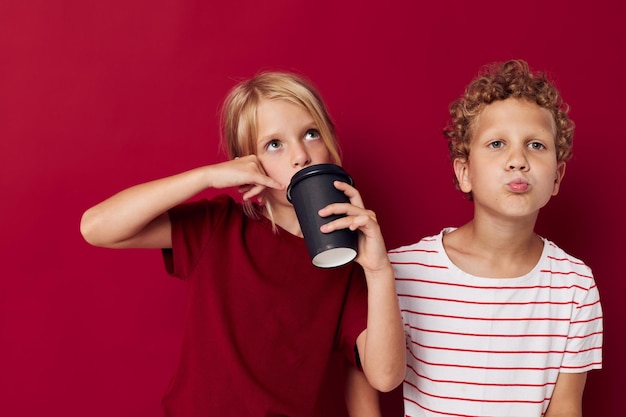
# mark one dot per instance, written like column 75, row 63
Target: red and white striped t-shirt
column 493, row 347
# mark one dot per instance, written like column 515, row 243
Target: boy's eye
column 312, row 134
column 496, row 144
column 273, row 145
column 536, row 145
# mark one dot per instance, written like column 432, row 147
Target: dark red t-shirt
column 262, row 321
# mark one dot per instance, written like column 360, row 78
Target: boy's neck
column 492, row 250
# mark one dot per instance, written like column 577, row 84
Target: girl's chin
column 277, row 200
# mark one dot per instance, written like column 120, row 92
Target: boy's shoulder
column 562, row 260
column 554, row 259
column 556, row 249
column 431, row 244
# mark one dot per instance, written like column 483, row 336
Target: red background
column 96, row 96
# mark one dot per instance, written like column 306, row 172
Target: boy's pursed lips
column 518, row 185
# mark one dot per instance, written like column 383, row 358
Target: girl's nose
column 300, row 157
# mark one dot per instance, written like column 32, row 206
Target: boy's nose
column 517, row 161
column 521, row 167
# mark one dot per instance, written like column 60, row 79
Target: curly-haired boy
column 500, row 321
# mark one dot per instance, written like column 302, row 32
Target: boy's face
column 512, row 168
column 288, row 140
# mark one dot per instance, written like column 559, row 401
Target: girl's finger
column 362, row 221
column 351, row 192
column 345, row 208
column 271, row 183
column 244, row 188
column 254, row 191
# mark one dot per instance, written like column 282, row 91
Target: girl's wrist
column 205, row 176
column 383, row 272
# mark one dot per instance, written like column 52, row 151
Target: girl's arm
column 361, row 398
column 137, row 216
column 382, row 346
column 567, row 397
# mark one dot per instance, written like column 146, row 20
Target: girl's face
column 287, row 141
column 512, row 168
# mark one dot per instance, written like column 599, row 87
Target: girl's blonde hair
column 239, row 121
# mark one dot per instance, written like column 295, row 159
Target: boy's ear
column 462, row 174
column 558, row 177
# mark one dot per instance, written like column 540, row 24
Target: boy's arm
column 137, row 216
column 567, row 397
column 361, row 398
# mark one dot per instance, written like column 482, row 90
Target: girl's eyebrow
column 267, row 137
column 310, row 126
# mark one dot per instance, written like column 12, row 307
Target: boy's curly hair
column 499, row 81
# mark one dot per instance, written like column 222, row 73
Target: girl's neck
column 285, row 217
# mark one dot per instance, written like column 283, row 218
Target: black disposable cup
column 310, row 190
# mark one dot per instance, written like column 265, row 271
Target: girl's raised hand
column 372, row 253
column 247, row 174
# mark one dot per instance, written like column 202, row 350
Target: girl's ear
column 461, row 170
column 558, row 177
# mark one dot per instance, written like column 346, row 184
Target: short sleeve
column 584, row 345
column 192, row 226
column 354, row 315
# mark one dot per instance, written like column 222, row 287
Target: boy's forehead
column 501, row 112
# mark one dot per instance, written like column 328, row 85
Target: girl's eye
column 273, row 145
column 496, row 144
column 536, row 145
column 312, row 134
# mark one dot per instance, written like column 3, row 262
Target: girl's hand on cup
column 372, row 253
